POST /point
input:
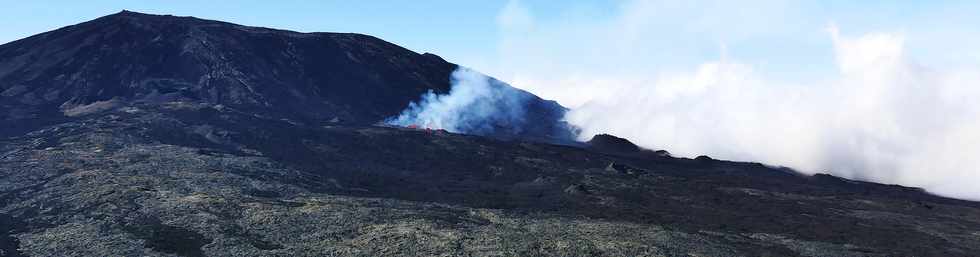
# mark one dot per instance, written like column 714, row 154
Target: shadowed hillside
column 312, row 78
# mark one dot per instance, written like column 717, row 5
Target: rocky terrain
column 172, row 155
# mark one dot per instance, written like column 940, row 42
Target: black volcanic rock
column 145, row 135
column 131, row 57
column 703, row 158
column 198, row 179
column 140, row 57
column 616, row 145
column 610, row 143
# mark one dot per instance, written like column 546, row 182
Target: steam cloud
column 475, row 104
column 884, row 118
column 879, row 115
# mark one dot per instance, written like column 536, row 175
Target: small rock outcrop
column 611, row 144
column 614, row 144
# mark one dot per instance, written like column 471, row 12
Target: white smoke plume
column 880, row 116
column 475, row 104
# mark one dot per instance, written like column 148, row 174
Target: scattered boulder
column 624, row 169
column 578, row 189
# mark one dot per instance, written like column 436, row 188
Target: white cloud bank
column 879, row 116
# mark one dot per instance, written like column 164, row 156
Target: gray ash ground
column 191, row 179
column 150, row 135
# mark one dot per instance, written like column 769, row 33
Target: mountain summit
column 135, row 58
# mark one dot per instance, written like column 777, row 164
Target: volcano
column 312, row 78
column 153, row 135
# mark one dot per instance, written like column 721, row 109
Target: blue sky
column 429, row 26
column 468, row 32
column 450, row 28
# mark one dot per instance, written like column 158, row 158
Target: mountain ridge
column 306, row 77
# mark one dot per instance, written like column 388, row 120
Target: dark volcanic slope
column 199, row 179
column 134, row 57
column 144, row 135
